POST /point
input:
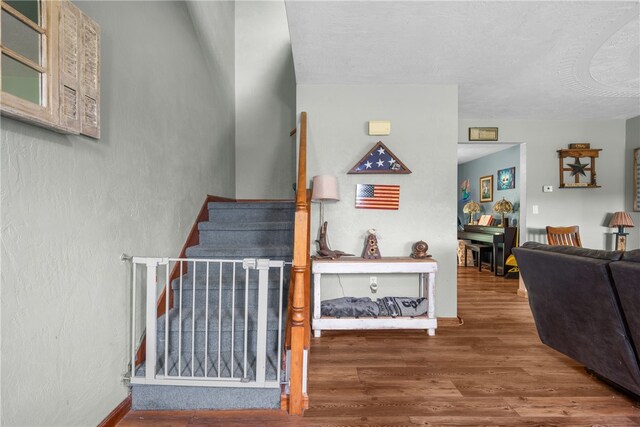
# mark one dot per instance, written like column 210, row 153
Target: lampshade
column 471, row 207
column 503, row 206
column 621, row 219
column 325, row 188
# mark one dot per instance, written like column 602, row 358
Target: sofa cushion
column 633, row 256
column 573, row 250
column 576, row 310
column 626, row 279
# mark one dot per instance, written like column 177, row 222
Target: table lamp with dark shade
column 621, row 220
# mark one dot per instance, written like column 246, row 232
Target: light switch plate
column 547, row 189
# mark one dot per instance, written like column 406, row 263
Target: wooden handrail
column 298, row 327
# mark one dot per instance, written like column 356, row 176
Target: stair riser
column 250, row 215
column 212, row 324
column 145, row 397
column 228, row 296
column 246, row 237
column 273, row 279
column 225, row 342
column 277, row 253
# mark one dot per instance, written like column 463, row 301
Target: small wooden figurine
column 419, row 250
column 323, row 248
column 371, row 250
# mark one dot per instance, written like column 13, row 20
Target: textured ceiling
column 511, row 59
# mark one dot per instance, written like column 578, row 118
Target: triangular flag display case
column 379, row 160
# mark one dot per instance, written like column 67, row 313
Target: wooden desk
column 425, row 268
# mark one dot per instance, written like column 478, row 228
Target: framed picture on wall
column 636, row 180
column 486, row 188
column 506, row 179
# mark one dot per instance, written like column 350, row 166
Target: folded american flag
column 369, row 196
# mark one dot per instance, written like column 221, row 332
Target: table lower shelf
column 382, row 322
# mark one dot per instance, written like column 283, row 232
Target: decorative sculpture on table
column 371, row 250
column 419, row 250
column 323, row 248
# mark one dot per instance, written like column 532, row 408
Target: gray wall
column 588, row 208
column 424, row 122
column 71, row 205
column 633, row 142
column 265, row 101
column 489, row 165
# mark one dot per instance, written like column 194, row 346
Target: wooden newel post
column 296, row 401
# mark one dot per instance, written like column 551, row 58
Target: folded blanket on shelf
column 365, row 307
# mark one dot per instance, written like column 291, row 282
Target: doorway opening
column 487, row 174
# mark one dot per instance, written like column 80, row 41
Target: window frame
column 46, row 113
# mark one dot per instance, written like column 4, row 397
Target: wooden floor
column 492, row 370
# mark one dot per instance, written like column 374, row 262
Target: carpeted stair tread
column 252, row 205
column 212, row 365
column 245, row 226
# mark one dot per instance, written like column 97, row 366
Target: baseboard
column 117, row 414
column 284, row 401
column 450, row 321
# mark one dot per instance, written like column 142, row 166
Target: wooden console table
column 425, row 268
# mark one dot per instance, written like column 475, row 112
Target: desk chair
column 564, row 236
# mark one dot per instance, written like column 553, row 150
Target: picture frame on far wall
column 486, row 188
column 636, row 180
column 483, row 134
column 506, row 179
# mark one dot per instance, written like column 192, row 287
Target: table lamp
column 502, row 207
column 471, row 208
column 621, row 220
column 325, row 189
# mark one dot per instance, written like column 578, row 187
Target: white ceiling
column 511, row 59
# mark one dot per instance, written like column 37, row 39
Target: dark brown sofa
column 586, row 305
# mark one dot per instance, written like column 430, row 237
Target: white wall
column 424, row 123
column 72, row 205
column 265, row 102
column 633, row 142
column 588, row 208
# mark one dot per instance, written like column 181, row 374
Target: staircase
column 212, row 311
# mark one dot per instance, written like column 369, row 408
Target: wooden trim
column 117, row 414
column 45, row 113
column 450, row 321
column 192, row 239
column 23, row 60
column 20, row 17
column 298, row 292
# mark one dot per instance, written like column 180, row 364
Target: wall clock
column 578, row 167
